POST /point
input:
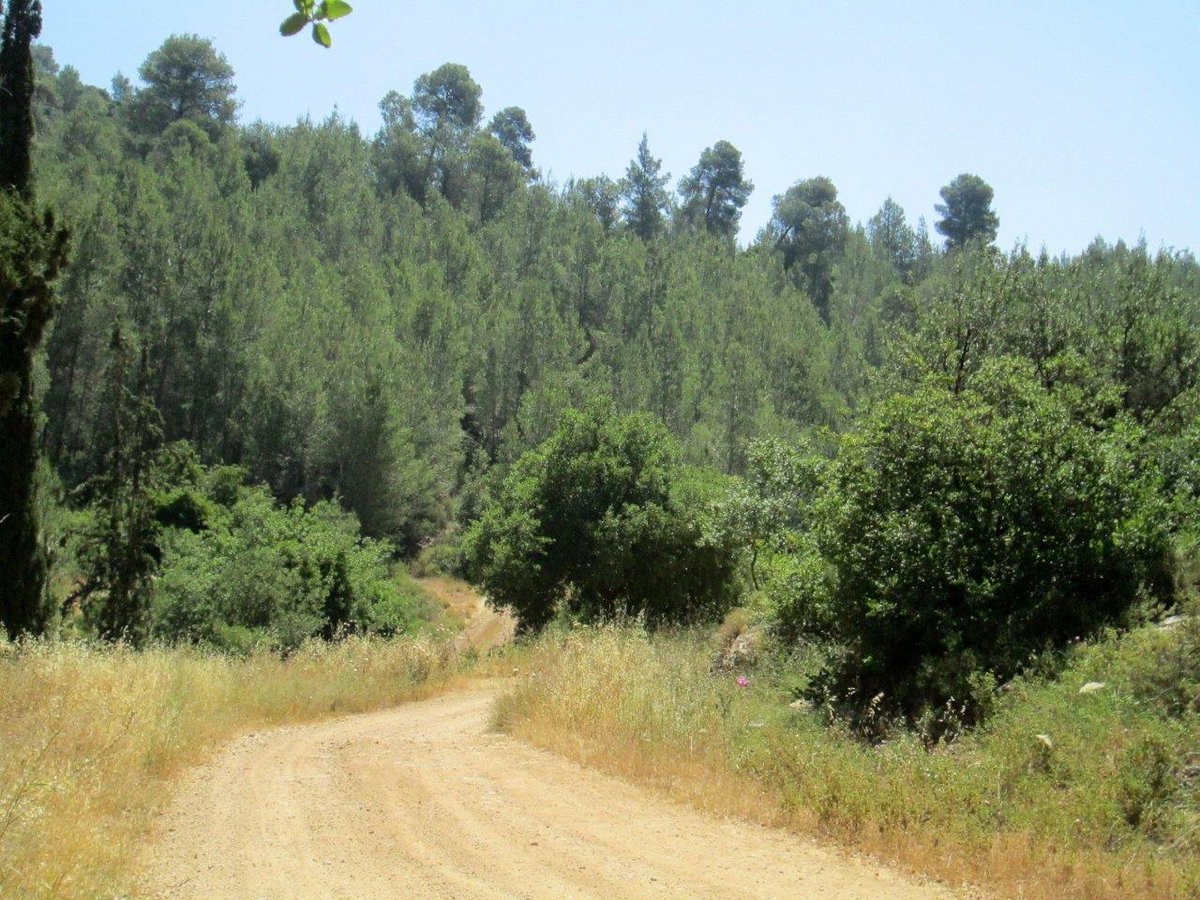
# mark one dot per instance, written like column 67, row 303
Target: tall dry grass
column 999, row 808
column 90, row 735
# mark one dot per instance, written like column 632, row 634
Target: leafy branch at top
column 317, row 14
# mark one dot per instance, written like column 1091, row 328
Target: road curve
column 422, row 801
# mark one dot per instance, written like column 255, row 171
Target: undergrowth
column 90, row 735
column 1062, row 793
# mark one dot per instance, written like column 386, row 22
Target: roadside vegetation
column 1082, row 785
column 91, row 735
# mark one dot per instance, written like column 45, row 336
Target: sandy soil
column 424, row 801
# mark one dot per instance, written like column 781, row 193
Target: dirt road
column 422, row 801
column 483, row 628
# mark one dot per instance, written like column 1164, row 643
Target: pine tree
column 645, row 195
column 120, row 549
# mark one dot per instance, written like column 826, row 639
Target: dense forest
column 267, row 338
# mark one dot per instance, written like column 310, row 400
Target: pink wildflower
column 742, row 681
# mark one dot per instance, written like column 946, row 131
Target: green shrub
column 442, row 555
column 796, row 592
column 603, row 520
column 1179, row 458
column 261, row 573
column 969, row 531
column 766, row 509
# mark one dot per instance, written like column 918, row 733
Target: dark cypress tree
column 21, row 26
column 32, row 252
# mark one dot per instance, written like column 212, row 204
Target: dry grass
column 997, row 809
column 609, row 698
column 90, row 735
column 459, row 600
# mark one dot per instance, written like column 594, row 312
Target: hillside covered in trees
column 308, row 317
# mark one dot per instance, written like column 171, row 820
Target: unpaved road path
column 484, row 628
column 422, row 801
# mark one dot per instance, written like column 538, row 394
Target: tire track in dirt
column 424, row 801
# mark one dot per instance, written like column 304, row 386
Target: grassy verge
column 89, row 736
column 1064, row 793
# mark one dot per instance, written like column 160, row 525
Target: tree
column 447, row 98
column 761, row 511
column 644, row 193
column 119, row 556
column 260, row 153
column 968, row 531
column 185, row 78
column 33, row 250
column 600, row 518
column 893, row 238
column 495, row 175
column 511, row 128
column 22, row 25
column 601, row 195
column 926, row 253
column 446, row 109
column 121, row 89
column 399, row 153
column 716, row 190
column 810, row 228
column 966, row 212
column 1144, row 331
column 374, row 468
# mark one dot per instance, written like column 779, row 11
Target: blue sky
column 1084, row 116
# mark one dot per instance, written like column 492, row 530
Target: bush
column 969, row 531
column 260, row 573
column 602, row 520
column 441, row 555
column 796, row 592
column 1179, row 458
column 766, row 510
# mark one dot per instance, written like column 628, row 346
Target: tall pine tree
column 119, row 555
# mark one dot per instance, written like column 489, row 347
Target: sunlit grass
column 1081, row 813
column 90, row 735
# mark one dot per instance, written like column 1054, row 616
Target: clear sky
column 1084, row 116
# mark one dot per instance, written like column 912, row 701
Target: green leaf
column 321, row 35
column 335, row 9
column 293, row 24
column 304, row 7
